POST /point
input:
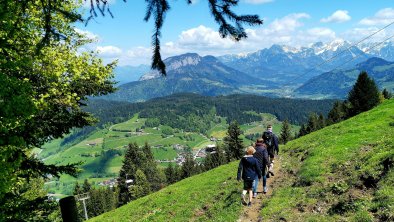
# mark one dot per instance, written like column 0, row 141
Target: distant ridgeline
column 196, row 113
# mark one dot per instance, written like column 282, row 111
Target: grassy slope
column 341, row 173
column 210, row 196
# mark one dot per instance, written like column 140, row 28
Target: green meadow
column 90, row 151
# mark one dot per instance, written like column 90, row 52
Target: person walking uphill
column 261, row 155
column 248, row 170
column 272, row 143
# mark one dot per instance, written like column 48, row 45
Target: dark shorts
column 248, row 184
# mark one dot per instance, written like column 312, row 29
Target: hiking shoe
column 243, row 199
column 249, row 204
column 265, row 189
column 254, row 195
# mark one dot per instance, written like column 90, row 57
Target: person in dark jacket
column 261, row 155
column 272, row 143
column 248, row 169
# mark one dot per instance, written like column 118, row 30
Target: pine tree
column 188, row 167
column 364, row 95
column 140, row 187
column 337, row 113
column 233, row 142
column 302, row 131
column 285, row 133
column 148, row 152
column 170, row 174
column 86, row 187
column 321, row 121
column 313, row 123
column 127, row 172
column 386, row 94
column 220, row 155
column 209, row 162
column 77, row 189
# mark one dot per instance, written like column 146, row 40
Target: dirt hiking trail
column 252, row 213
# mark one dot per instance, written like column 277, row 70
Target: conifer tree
column 170, row 174
column 337, row 113
column 220, row 155
column 313, row 123
column 77, row 189
column 86, row 187
column 188, row 167
column 127, row 172
column 321, row 121
column 285, row 133
column 302, row 131
column 233, row 142
column 364, row 95
column 209, row 162
column 386, row 94
column 140, row 187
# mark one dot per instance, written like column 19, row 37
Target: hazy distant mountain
column 125, row 74
column 188, row 73
column 337, row 83
column 284, row 64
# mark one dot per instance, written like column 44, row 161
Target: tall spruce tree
column 170, row 174
column 386, row 94
column 285, row 133
column 337, row 113
column 127, row 172
column 313, row 123
column 189, row 166
column 364, row 95
column 140, row 187
column 233, row 142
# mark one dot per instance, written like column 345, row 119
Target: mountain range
column 313, row 72
column 337, row 83
column 188, row 73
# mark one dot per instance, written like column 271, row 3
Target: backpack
column 267, row 136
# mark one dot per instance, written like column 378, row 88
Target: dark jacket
column 274, row 148
column 249, row 168
column 261, row 155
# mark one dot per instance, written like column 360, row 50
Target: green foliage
column 27, row 202
column 285, row 133
column 140, row 166
column 100, row 200
column 364, row 95
column 45, row 81
column 233, row 142
column 140, row 187
column 386, row 94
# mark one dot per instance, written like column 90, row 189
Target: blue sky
column 190, row 28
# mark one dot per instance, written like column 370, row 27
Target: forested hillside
column 194, row 112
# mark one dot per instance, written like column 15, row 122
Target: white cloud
column 255, row 2
column 382, row 17
column 338, row 17
column 109, row 51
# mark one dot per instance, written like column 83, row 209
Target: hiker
column 271, row 141
column 261, row 155
column 249, row 169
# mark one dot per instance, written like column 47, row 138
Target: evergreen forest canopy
column 196, row 113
